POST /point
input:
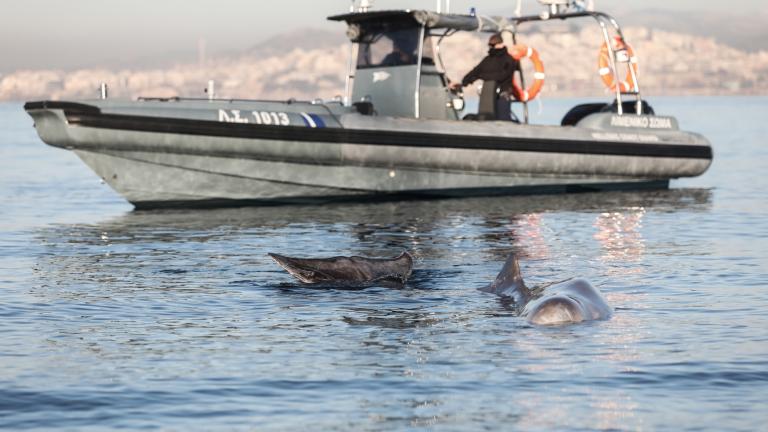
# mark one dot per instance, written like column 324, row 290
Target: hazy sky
column 87, row 33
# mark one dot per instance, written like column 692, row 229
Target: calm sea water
column 177, row 320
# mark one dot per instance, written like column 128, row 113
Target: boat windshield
column 393, row 47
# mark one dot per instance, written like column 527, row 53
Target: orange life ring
column 604, row 67
column 523, row 51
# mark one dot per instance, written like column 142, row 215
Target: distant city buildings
column 670, row 64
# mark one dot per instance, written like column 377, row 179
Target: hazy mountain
column 739, row 29
column 309, row 63
column 745, row 31
column 306, row 39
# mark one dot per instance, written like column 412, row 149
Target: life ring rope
column 519, row 52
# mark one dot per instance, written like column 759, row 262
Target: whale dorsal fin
column 510, row 274
column 509, row 281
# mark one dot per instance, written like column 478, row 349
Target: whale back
column 509, row 282
column 347, row 270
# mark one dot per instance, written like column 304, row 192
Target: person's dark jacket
column 497, row 66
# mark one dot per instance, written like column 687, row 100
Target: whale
column 566, row 302
column 348, row 270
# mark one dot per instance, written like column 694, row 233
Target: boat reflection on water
column 443, row 236
column 533, row 236
column 619, row 234
column 433, row 229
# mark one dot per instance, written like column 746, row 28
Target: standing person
column 498, row 66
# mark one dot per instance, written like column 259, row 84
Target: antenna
column 584, row 5
column 447, row 6
column 556, row 6
column 365, row 5
column 200, row 52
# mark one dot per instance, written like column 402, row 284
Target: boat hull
column 193, row 181
column 172, row 159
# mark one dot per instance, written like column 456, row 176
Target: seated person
column 498, row 66
column 401, row 54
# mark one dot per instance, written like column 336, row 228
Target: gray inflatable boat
column 396, row 132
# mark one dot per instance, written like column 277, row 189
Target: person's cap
column 495, row 39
